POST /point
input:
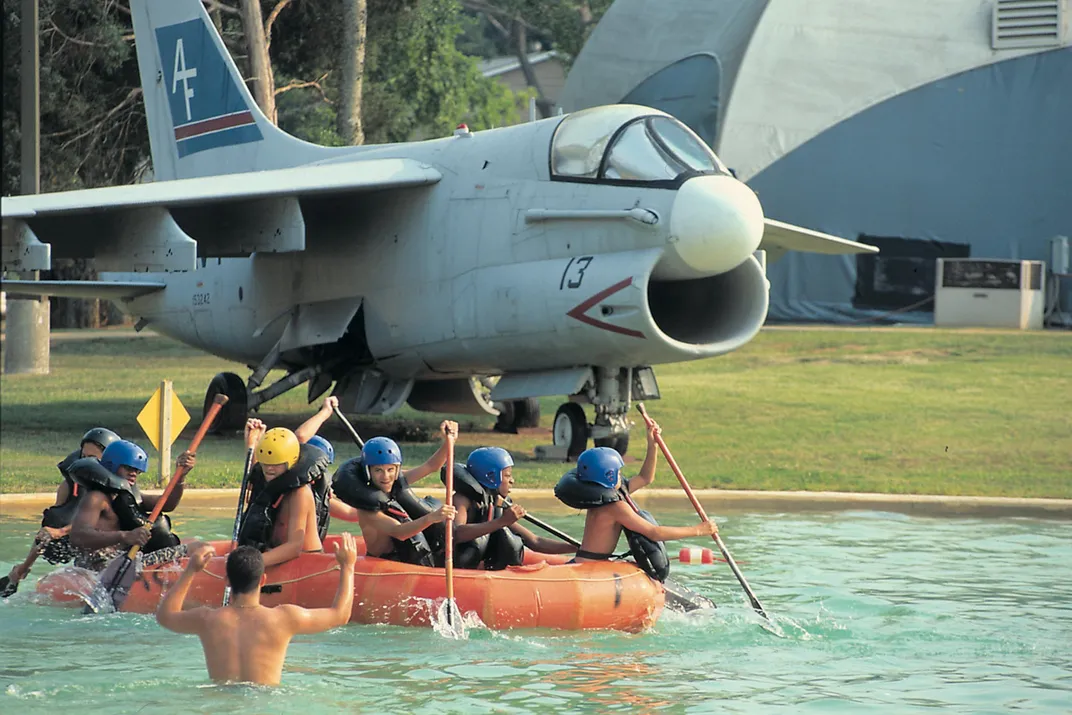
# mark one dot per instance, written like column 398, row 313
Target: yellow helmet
column 278, row 446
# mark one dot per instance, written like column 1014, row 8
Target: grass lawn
column 922, row 411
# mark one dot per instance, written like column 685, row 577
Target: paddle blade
column 448, row 620
column 8, row 587
column 112, row 589
column 684, row 599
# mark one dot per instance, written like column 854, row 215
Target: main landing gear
column 516, row 414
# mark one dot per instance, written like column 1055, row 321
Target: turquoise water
column 881, row 613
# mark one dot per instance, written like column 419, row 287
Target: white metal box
column 995, row 293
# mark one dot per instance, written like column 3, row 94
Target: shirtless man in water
column 245, row 641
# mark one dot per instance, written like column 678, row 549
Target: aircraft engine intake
column 726, row 310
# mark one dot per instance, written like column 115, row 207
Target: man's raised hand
column 346, row 551
column 200, row 555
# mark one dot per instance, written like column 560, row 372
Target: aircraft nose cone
column 716, row 223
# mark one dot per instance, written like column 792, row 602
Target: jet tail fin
column 202, row 119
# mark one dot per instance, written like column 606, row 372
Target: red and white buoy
column 693, row 555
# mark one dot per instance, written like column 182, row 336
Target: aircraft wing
column 153, row 226
column 779, row 237
column 345, row 177
column 110, row 290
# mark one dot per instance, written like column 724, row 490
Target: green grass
column 921, row 411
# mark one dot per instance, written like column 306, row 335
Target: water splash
column 448, row 621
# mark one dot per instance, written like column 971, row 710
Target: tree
column 565, row 24
column 92, row 119
column 355, row 32
column 261, row 79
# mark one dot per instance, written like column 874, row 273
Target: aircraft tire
column 526, row 413
column 233, row 414
column 570, row 429
column 620, row 443
column 505, row 421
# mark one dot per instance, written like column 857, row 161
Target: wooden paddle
column 118, row 576
column 238, row 513
column 756, row 605
column 353, row 432
column 448, row 541
column 545, row 526
column 9, row 586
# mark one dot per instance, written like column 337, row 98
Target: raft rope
column 291, row 580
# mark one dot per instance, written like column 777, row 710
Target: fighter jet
column 565, row 256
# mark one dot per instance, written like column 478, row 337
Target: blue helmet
column 322, row 444
column 600, row 465
column 487, row 464
column 124, row 454
column 380, row 450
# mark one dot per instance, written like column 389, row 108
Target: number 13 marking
column 575, row 272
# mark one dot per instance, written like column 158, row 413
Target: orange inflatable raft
column 545, row 592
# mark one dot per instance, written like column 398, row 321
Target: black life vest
column 650, row 555
column 576, row 493
column 351, row 484
column 127, row 502
column 321, row 485
column 62, row 515
column 495, row 551
column 266, row 497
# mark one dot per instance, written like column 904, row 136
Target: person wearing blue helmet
column 113, row 515
column 482, row 512
column 596, row 485
column 53, row 540
column 367, row 491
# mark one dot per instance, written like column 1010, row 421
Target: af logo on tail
column 207, row 108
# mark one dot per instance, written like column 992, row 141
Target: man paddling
column 113, row 514
column 245, row 641
column 53, row 540
column 596, row 486
column 371, row 490
column 481, row 512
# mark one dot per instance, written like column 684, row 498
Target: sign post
column 162, row 419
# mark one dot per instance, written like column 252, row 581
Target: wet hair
column 245, row 566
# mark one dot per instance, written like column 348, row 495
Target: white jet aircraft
column 566, row 256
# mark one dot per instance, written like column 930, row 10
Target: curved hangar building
column 926, row 127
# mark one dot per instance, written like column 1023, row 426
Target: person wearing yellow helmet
column 281, row 519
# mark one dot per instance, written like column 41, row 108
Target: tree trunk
column 355, row 21
column 260, row 64
column 521, row 47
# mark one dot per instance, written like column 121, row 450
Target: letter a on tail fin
column 202, row 119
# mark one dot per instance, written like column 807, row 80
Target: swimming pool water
column 881, row 612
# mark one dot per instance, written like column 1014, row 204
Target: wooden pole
column 26, row 348
column 166, row 392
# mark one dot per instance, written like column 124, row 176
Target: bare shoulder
column 96, row 499
column 614, row 511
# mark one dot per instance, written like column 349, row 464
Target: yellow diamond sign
column 149, row 418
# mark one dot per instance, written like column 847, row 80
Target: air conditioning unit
column 991, row 293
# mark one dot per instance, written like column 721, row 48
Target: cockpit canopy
column 629, row 143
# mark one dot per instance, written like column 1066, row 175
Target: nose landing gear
column 611, row 390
